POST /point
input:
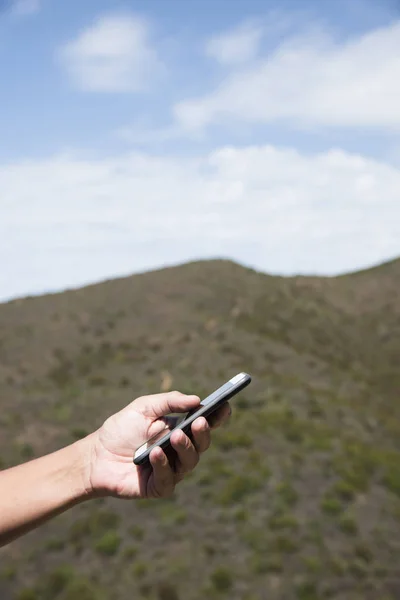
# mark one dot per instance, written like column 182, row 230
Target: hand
column 111, row 470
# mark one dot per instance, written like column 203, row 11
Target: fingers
column 220, row 416
column 159, row 405
column 201, row 433
column 187, row 455
column 163, row 475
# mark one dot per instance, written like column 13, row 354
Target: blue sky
column 143, row 133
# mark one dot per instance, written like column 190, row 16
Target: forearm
column 32, row 493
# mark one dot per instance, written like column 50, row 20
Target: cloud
column 23, row 8
column 310, row 81
column 114, row 54
column 142, row 133
column 235, row 47
column 69, row 220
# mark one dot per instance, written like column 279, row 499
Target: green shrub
column 363, row 552
column 28, row 594
column 61, row 413
column 108, row 543
column 62, row 374
column 337, row 565
column 261, row 564
column 56, row 582
column 348, row 525
column 26, row 451
column 318, row 440
column 380, row 571
column 391, row 479
column 171, row 514
column 356, row 465
column 79, row 530
column 307, row 590
column 178, row 566
column 144, row 503
column 209, row 549
column 222, row 579
column 130, row 552
column 241, row 515
column 205, row 478
column 95, row 525
column 219, row 467
column 359, row 569
column 167, row 591
column 82, row 589
column 314, row 533
column 331, row 506
column 78, row 433
column 8, row 573
column 257, row 462
column 286, row 494
column 283, row 521
column 312, row 564
column 315, row 409
column 55, row 544
column 257, row 540
column 284, row 544
column 136, row 531
column 139, row 569
column 242, row 403
column 344, row 490
column 237, row 488
column 231, row 439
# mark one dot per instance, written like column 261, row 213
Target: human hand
column 110, row 469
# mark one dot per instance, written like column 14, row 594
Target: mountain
column 298, row 498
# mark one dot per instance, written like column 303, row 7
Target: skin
column 101, row 464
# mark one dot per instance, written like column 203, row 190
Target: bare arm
column 32, row 493
column 102, row 465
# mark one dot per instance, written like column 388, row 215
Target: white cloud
column 68, row 220
column 235, row 47
column 310, row 81
column 143, row 133
column 22, row 8
column 114, row 54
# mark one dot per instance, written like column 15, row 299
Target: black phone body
column 205, row 409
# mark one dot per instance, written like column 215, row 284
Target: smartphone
column 205, row 409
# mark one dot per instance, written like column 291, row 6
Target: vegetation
column 299, row 498
column 109, row 543
column 222, row 579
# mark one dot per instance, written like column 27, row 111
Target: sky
column 146, row 133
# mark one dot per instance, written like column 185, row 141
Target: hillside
column 299, row 498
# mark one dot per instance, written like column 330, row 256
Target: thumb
column 160, row 405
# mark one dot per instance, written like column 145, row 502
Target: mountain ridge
column 383, row 266
column 298, row 498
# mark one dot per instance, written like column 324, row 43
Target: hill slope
column 298, row 498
